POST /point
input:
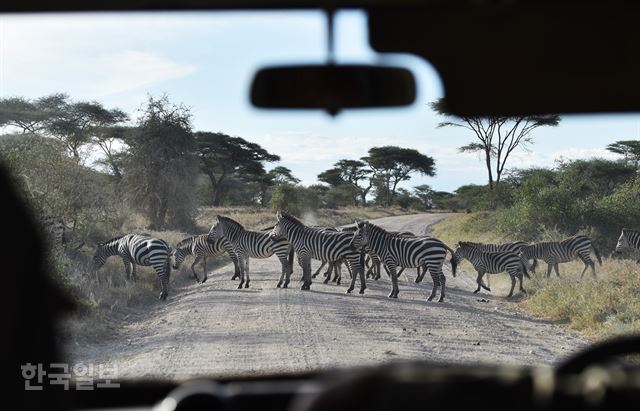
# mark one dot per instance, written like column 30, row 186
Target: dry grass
column 605, row 306
column 597, row 308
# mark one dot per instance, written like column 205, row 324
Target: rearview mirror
column 332, row 87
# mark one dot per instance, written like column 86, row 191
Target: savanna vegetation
column 596, row 197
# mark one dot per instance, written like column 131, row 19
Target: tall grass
column 605, row 306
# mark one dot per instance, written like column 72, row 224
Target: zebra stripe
column 254, row 244
column 492, row 263
column 555, row 252
column 628, row 239
column 138, row 249
column 321, row 245
column 201, row 248
column 396, row 251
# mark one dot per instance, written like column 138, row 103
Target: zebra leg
column 480, row 282
column 513, row 283
column 133, row 272
column 127, row 268
column 555, row 268
column 319, row 269
column 549, row 265
column 521, row 277
column 163, row 271
column 443, row 282
column 241, row 263
column 337, row 273
column 193, row 269
column 304, row 261
column 363, row 282
column 400, row 272
column 327, row 274
column 436, row 283
column 205, row 271
column 246, row 271
column 394, row 280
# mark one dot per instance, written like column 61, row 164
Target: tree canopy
column 496, row 136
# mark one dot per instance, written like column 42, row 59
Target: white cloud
column 130, row 70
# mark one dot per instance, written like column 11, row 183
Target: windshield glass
column 133, row 140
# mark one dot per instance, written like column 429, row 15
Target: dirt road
column 215, row 329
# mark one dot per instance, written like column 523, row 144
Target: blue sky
column 206, row 61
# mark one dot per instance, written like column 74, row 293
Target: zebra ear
column 279, row 215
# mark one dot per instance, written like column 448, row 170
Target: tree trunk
column 488, row 162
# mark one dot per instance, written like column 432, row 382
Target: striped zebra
column 141, row 250
column 628, row 239
column 491, row 263
column 252, row 244
column 324, row 245
column 514, row 247
column 201, row 248
column 555, row 252
column 397, row 252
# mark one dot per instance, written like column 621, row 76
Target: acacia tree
column 497, row 136
column 391, row 165
column 74, row 124
column 352, row 173
column 222, row 156
column 630, row 149
column 160, row 169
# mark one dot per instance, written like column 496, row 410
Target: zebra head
column 178, row 255
column 623, row 242
column 462, row 251
column 361, row 235
column 100, row 256
column 278, row 231
column 217, row 231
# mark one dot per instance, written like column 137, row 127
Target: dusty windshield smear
column 200, row 236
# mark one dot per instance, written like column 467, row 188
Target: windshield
column 479, row 240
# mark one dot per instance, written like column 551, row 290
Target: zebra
column 628, row 239
column 372, row 262
column 138, row 249
column 396, row 252
column 254, row 244
column 555, row 252
column 491, row 263
column 309, row 242
column 200, row 247
column 514, row 247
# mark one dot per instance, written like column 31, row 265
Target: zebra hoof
column 338, row 282
column 163, row 296
column 286, row 285
column 362, row 290
column 430, row 298
column 441, row 299
column 349, row 290
column 204, row 281
column 326, row 281
column 279, row 285
column 240, row 287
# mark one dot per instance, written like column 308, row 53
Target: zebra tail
column 454, row 263
column 524, row 270
column 597, row 253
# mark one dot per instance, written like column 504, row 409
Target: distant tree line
column 93, row 164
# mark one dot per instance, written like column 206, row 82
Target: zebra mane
column 230, row 221
column 293, row 219
column 186, row 242
column 111, row 240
